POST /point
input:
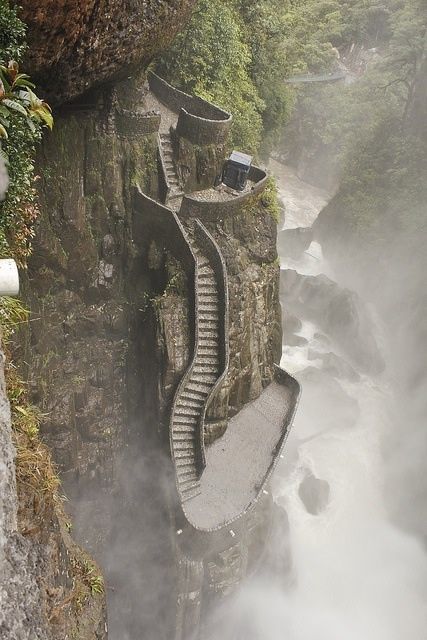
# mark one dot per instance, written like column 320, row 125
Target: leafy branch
column 17, row 96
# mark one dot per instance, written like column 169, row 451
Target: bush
column 22, row 116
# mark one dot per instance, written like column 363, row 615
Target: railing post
column 9, row 278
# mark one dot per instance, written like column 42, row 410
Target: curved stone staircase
column 202, row 377
column 175, row 192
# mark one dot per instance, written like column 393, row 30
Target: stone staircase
column 191, row 399
column 175, row 193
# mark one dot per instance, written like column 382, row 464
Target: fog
column 352, row 481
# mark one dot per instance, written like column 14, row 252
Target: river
column 349, row 572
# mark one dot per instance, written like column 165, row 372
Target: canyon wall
column 109, row 336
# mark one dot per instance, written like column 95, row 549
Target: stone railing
column 170, row 232
column 199, row 121
column 164, row 186
column 130, row 124
column 217, row 262
column 219, row 536
column 193, row 207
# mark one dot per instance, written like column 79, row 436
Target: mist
column 352, row 482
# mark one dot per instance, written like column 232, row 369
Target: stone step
column 184, row 429
column 207, row 334
column 208, row 324
column 183, row 437
column 209, row 311
column 191, row 493
column 184, row 403
column 200, row 396
column 186, row 445
column 207, row 362
column 187, row 411
column 203, row 370
column 203, row 383
column 187, row 474
column 202, row 261
column 185, row 455
column 186, row 484
column 186, row 420
column 187, row 471
column 206, row 345
column 197, row 389
column 203, row 378
column 208, row 300
column 206, row 278
column 209, row 289
column 184, row 464
column 206, row 270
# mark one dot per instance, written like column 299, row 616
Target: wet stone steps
column 203, row 375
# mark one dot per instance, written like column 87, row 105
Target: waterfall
column 350, row 572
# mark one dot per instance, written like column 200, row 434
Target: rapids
column 352, row 574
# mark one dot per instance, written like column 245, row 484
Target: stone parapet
column 131, row 124
column 199, row 121
column 195, row 207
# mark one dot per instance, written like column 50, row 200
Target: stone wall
column 199, row 121
column 202, row 131
column 133, row 124
column 212, row 209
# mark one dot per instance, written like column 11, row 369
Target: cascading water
column 352, row 574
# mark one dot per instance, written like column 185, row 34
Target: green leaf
column 21, row 81
column 31, row 125
column 16, row 106
column 3, row 132
column 43, row 113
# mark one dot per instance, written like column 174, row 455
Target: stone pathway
column 237, row 463
column 196, row 387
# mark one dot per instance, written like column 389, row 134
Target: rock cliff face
column 74, row 46
column 109, row 343
column 20, row 595
column 45, row 588
column 109, row 337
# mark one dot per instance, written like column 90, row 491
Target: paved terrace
column 237, row 464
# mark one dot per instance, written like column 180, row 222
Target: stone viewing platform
column 218, row 483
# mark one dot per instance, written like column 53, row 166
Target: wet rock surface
column 292, row 242
column 74, row 46
column 339, row 312
column 314, row 493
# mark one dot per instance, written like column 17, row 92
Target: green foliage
column 238, row 54
column 377, row 134
column 270, row 199
column 211, row 60
column 12, row 33
column 17, row 96
column 22, row 115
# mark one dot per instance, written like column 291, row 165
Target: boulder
column 339, row 312
column 293, row 242
column 75, row 45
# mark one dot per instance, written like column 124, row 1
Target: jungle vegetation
column 367, row 137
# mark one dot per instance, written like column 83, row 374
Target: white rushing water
column 354, row 575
